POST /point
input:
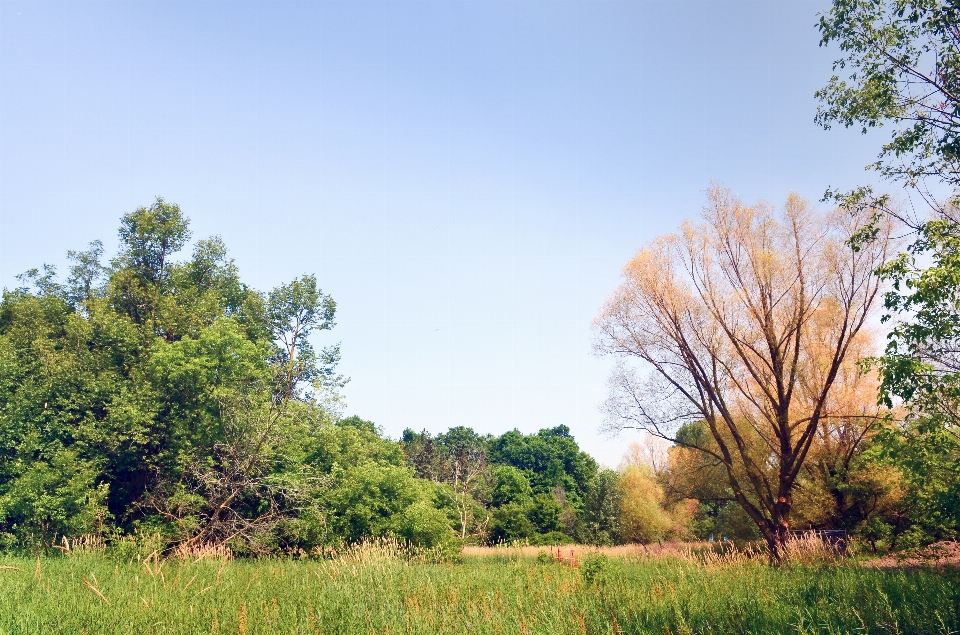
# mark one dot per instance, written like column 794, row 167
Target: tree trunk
column 776, row 532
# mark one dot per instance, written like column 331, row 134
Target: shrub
column 594, row 567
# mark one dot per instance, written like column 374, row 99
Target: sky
column 466, row 179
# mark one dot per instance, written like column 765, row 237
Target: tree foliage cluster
column 512, row 487
column 151, row 395
column 158, row 397
column 541, row 489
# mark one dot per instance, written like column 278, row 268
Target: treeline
column 151, row 397
column 885, row 488
column 159, row 396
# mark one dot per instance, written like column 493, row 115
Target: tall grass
column 377, row 590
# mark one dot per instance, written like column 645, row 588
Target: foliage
column 549, row 459
column 510, row 485
column 920, row 366
column 843, row 485
column 903, row 67
column 926, row 453
column 162, row 402
column 52, row 499
column 510, row 522
column 293, row 312
column 601, row 512
column 158, row 396
column 642, row 516
column 506, row 488
column 595, row 567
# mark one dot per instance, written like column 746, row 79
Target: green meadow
column 497, row 593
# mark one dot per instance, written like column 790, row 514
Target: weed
column 594, row 567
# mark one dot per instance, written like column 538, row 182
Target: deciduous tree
column 724, row 316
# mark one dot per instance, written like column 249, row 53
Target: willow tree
column 745, row 321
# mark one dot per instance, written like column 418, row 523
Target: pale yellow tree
column 643, row 518
column 730, row 318
column 837, row 488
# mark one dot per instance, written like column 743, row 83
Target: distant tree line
column 155, row 396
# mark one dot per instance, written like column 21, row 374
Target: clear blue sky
column 465, row 178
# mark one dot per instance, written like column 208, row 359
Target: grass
column 495, row 591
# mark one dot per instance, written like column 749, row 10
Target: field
column 490, row 591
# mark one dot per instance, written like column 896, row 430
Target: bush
column 594, row 567
column 424, row 525
column 51, row 499
column 510, row 523
column 137, row 546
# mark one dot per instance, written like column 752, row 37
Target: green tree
column 153, row 380
column 149, row 238
column 902, row 65
column 544, row 512
column 462, row 465
column 86, row 274
column 549, row 459
column 53, row 497
column 67, row 388
column 925, row 450
column 422, row 454
column 294, row 311
column 602, row 509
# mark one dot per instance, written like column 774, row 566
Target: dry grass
column 631, row 552
column 686, row 551
column 945, row 554
column 82, row 544
column 808, row 550
column 202, row 552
